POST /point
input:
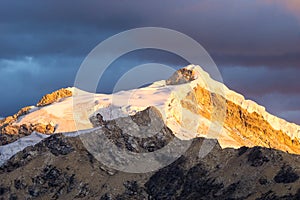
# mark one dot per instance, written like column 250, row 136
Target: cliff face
column 243, row 128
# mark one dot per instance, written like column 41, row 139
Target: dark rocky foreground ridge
column 61, row 168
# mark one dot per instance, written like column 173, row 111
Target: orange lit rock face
column 199, row 102
column 11, row 133
column 54, row 96
column 6, row 127
column 243, row 127
column 26, row 129
column 14, row 117
column 6, row 124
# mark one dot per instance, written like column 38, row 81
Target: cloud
column 262, row 80
column 292, row 6
column 255, row 43
column 24, row 81
column 292, row 116
column 242, row 30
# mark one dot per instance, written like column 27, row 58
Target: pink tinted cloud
column 292, row 6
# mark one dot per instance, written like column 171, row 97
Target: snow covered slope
column 191, row 103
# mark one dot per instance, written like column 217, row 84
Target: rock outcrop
column 142, row 133
column 11, row 133
column 181, row 76
column 54, row 96
column 10, row 119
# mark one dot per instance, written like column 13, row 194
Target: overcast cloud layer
column 255, row 44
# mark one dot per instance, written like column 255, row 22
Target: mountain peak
column 181, row 76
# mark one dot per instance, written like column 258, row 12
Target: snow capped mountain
column 191, row 103
column 51, row 150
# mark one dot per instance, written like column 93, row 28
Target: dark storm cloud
column 262, row 80
column 250, row 29
column 23, row 85
column 284, row 60
column 255, row 43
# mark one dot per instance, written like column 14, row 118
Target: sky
column 254, row 43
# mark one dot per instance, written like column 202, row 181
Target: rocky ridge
column 10, row 132
column 55, row 96
column 245, row 173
